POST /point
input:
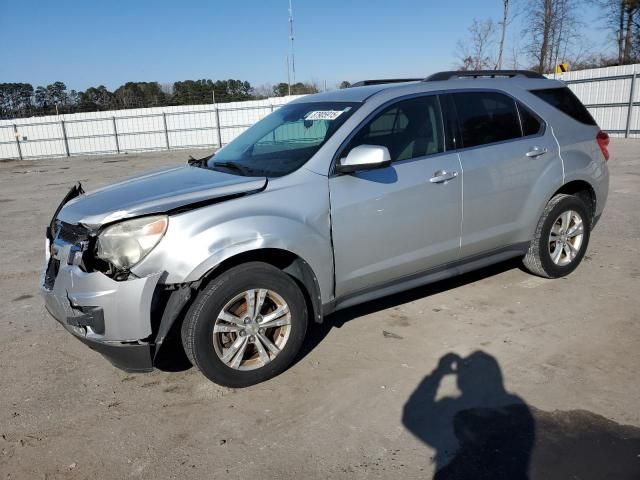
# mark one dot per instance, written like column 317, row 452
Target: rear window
column 486, row 117
column 565, row 100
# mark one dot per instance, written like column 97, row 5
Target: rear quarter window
column 531, row 123
column 565, row 100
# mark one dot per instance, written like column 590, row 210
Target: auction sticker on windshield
column 323, row 115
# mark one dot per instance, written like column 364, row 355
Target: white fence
column 143, row 129
column 611, row 94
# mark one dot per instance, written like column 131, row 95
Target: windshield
column 283, row 141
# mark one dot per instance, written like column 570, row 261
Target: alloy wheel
column 565, row 238
column 252, row 329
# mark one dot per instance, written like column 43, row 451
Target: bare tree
column 553, row 31
column 623, row 19
column 632, row 11
column 516, row 51
column 477, row 51
column 619, row 5
column 503, row 31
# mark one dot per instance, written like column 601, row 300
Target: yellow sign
column 562, row 68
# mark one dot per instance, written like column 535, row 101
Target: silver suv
column 333, row 200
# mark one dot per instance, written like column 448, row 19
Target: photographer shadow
column 483, row 433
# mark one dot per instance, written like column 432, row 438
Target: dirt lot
column 560, row 358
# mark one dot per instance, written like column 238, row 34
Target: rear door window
column 565, row 100
column 486, row 117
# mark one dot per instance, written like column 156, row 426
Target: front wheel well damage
column 290, row 263
column 172, row 302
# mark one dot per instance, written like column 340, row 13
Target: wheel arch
column 290, row 263
column 178, row 301
column 581, row 189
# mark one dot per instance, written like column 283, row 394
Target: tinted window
column 531, row 124
column 564, row 100
column 409, row 129
column 393, row 120
column 486, row 117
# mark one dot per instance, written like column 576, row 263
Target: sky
column 109, row 42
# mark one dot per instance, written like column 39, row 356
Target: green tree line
column 22, row 99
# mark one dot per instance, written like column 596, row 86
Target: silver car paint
column 371, row 217
column 500, row 185
column 199, row 240
column 154, row 192
column 126, row 305
column 409, row 224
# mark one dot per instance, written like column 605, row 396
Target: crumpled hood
column 155, row 192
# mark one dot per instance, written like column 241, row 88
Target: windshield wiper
column 246, row 171
column 198, row 162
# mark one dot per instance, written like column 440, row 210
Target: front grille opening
column 73, row 234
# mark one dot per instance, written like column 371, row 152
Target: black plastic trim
column 450, row 74
column 175, row 305
column 447, row 270
column 130, row 357
column 382, row 81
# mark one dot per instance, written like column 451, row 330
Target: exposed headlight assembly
column 126, row 243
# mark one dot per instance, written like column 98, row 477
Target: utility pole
column 291, row 37
column 288, row 75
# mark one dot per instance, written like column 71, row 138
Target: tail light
column 603, row 142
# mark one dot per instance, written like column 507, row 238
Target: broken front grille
column 73, row 234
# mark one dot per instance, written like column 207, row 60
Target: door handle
column 442, row 176
column 536, row 152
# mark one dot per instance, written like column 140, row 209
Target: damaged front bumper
column 112, row 317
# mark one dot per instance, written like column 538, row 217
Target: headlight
column 126, row 243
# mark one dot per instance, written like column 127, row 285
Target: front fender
column 293, row 218
column 256, row 233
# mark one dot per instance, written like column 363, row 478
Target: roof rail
column 482, row 74
column 380, row 81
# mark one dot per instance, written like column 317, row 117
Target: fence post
column 64, row 137
column 15, row 132
column 630, row 110
column 115, row 134
column 271, row 105
column 218, row 127
column 166, row 132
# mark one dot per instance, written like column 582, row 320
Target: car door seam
column 553, row 134
column 333, row 247
column 461, row 203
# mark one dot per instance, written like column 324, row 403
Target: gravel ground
column 547, row 385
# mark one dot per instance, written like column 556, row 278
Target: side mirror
column 364, row 157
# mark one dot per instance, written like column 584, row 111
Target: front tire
column 561, row 238
column 246, row 326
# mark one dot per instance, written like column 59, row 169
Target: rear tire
column 246, row 326
column 561, row 238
